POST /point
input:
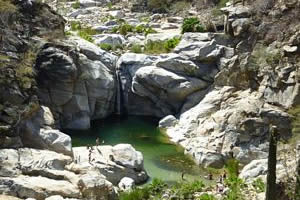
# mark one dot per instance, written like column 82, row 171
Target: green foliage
column 262, row 57
column 234, row 183
column 6, row 6
column 144, row 29
column 186, row 190
column 206, row 197
column 136, row 48
column 159, row 47
column 109, row 47
column 125, row 28
column 24, row 71
column 109, row 5
column 84, row 34
column 105, row 46
column 171, row 43
column 154, row 189
column 155, row 47
column 232, row 166
column 236, row 186
column 76, row 5
column 136, row 194
column 157, row 186
column 259, row 185
column 192, row 24
column 75, row 25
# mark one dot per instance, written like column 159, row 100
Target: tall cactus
column 271, row 176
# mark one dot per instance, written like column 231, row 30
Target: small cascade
column 121, row 108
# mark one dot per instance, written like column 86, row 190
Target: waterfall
column 121, row 106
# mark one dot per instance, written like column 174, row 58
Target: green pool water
column 162, row 159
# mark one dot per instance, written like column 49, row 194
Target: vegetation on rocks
column 192, row 24
column 156, row 47
column 83, row 32
column 7, row 6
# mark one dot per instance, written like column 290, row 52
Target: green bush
column 136, row 194
column 75, row 25
column 155, row 47
column 75, row 5
column 157, row 186
column 236, row 186
column 159, row 47
column 109, row 5
column 125, row 28
column 187, row 189
column 192, row 24
column 85, row 35
column 207, row 197
column 171, row 43
column 144, row 29
column 232, row 166
column 259, row 185
column 106, row 47
column 136, row 48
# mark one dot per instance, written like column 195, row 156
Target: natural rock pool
column 162, row 159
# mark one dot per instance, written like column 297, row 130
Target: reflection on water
column 161, row 158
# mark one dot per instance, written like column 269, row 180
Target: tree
column 272, row 159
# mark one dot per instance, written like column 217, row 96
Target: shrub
column 232, row 166
column 155, row 48
column 207, row 197
column 24, row 71
column 158, row 5
column 109, row 5
column 136, row 194
column 188, row 189
column 106, row 47
column 144, row 29
column 235, row 185
column 75, row 5
column 156, row 187
column 75, row 25
column 159, row 47
column 125, row 28
column 7, row 6
column 85, row 35
column 259, row 185
column 171, row 43
column 136, row 48
column 192, row 24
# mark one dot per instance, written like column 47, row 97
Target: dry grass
column 6, row 6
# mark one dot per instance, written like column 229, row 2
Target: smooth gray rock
column 126, row 184
column 167, row 121
column 111, row 39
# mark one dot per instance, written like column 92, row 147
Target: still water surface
column 162, row 159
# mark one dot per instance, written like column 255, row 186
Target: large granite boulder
column 161, row 85
column 91, row 174
column 113, row 162
column 227, row 121
column 36, row 132
column 78, row 85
